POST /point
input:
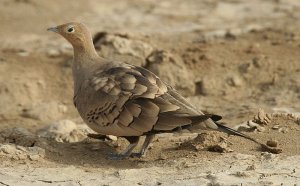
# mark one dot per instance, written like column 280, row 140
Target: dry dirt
column 228, row 57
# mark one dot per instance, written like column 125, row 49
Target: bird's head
column 76, row 33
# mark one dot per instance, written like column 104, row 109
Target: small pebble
column 283, row 130
column 272, row 143
column 34, row 157
column 252, row 123
column 260, row 129
column 113, row 138
column 235, row 81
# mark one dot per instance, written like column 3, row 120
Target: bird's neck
column 85, row 56
column 85, row 52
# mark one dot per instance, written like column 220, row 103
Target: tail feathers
column 204, row 117
column 231, row 131
column 213, row 125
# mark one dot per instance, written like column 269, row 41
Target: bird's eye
column 70, row 30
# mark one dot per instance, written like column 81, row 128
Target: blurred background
column 228, row 57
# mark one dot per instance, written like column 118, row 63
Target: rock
column 272, row 143
column 113, row 138
column 171, row 69
column 251, row 123
column 18, row 136
column 283, row 130
column 123, row 48
column 235, row 81
column 212, row 141
column 289, row 115
column 20, row 153
column 35, row 153
column 276, row 127
column 260, row 129
column 44, row 111
column 269, row 149
column 8, row 149
column 262, row 117
column 220, row 147
column 249, row 126
column 65, row 131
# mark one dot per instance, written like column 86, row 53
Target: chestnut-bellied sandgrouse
column 116, row 98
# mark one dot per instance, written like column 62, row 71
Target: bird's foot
column 114, row 156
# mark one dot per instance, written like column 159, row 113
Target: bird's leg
column 133, row 140
column 149, row 138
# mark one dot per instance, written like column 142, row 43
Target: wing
column 130, row 101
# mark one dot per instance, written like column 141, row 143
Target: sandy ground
column 228, row 57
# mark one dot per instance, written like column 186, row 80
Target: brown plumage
column 115, row 98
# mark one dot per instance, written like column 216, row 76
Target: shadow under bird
column 116, row 98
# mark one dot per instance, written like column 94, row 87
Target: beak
column 53, row 29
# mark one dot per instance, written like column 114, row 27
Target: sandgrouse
column 116, row 98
